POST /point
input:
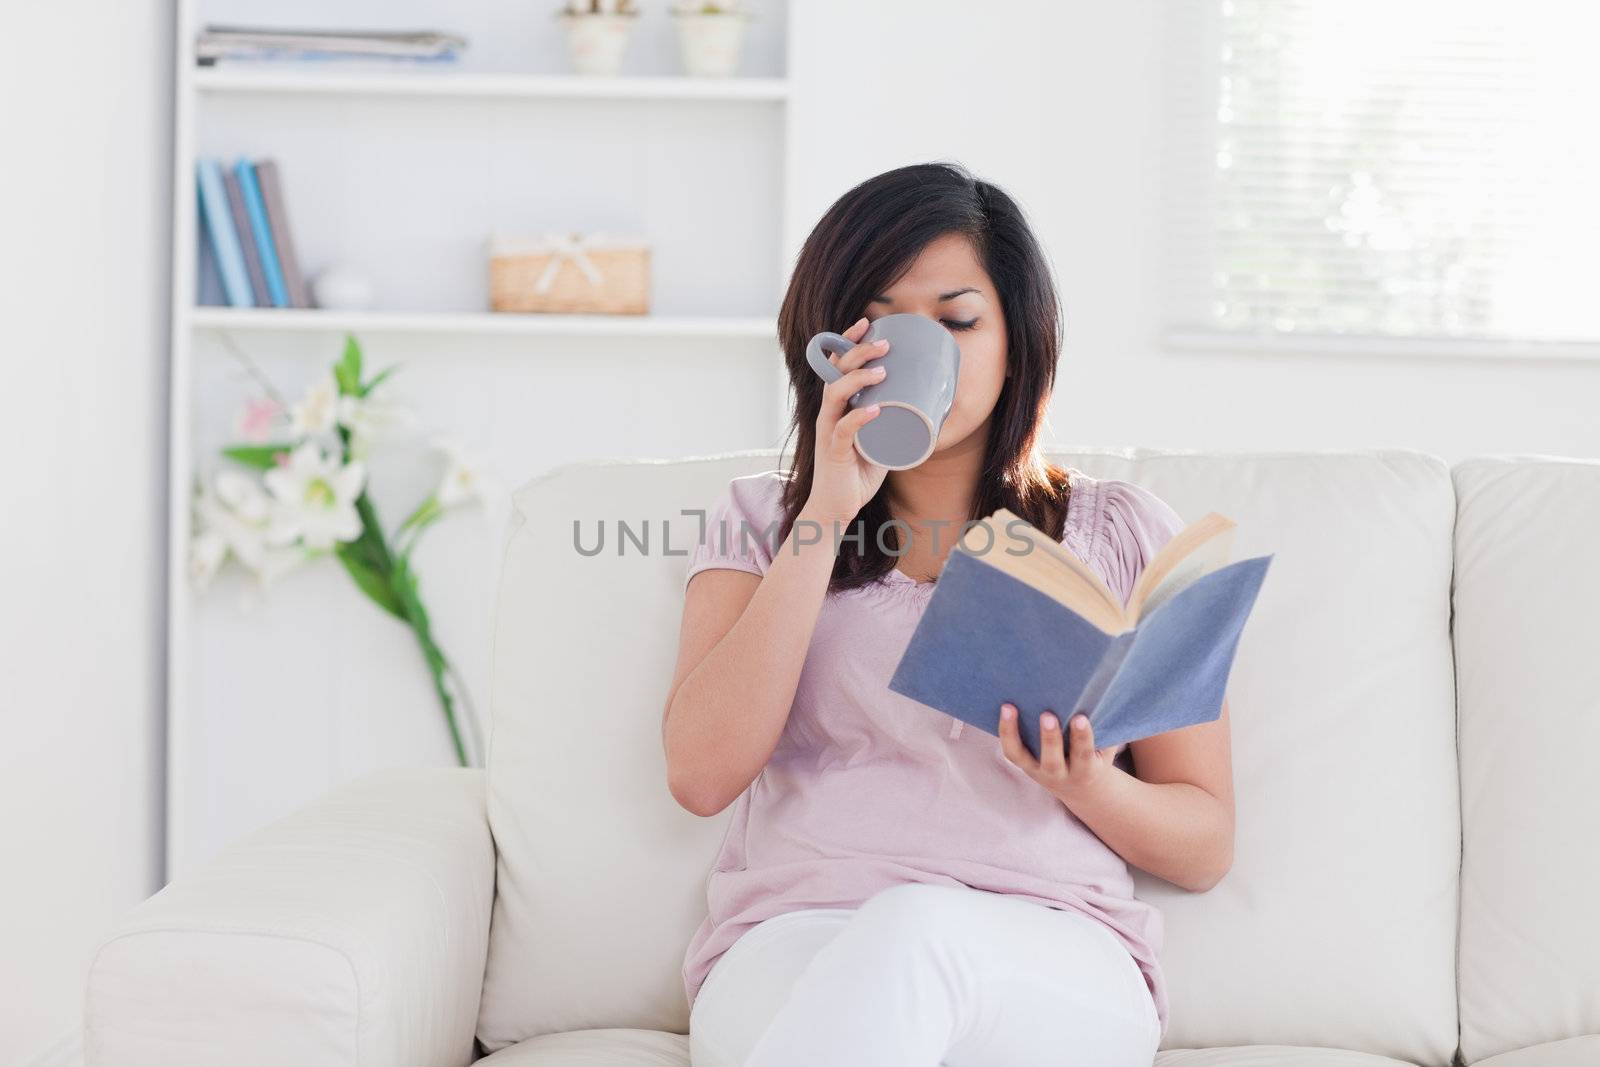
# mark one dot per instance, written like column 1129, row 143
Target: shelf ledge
column 455, row 83
column 287, row 320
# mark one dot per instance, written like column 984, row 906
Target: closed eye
column 957, row 325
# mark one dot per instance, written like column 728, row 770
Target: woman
column 894, row 889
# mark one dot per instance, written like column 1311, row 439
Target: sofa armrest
column 353, row 931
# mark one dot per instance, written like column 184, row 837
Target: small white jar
column 710, row 41
column 596, row 42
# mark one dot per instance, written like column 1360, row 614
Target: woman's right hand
column 844, row 480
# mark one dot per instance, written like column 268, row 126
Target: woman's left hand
column 1068, row 770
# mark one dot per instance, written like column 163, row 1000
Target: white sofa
column 1418, row 857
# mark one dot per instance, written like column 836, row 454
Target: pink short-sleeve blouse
column 868, row 789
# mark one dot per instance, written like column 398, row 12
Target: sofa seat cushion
column 1271, row 1056
column 597, row 1048
column 655, row 1048
column 1574, row 1052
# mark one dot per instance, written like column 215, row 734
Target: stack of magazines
column 257, row 43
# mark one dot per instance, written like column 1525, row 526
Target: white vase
column 341, row 287
column 710, row 42
column 596, row 42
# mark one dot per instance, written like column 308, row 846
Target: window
column 1384, row 170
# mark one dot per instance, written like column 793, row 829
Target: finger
column 843, row 436
column 1011, row 741
column 858, row 356
column 858, row 328
column 836, row 394
column 1053, row 756
column 1081, row 750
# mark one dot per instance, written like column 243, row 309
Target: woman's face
column 948, row 284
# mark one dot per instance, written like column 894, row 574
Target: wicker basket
column 570, row 274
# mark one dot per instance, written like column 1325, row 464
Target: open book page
column 1195, row 551
column 1015, row 547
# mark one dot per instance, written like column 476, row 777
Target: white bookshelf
column 283, row 320
column 222, row 79
column 505, row 142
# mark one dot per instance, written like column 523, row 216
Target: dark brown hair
column 865, row 242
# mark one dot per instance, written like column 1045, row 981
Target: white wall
column 1061, row 104
column 84, row 215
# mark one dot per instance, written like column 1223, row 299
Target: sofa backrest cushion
column 1337, row 924
column 601, row 874
column 1528, row 663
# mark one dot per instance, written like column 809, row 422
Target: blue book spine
column 209, row 291
column 224, row 241
column 262, row 230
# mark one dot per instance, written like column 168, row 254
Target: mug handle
column 821, row 346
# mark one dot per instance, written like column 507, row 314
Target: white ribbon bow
column 565, row 248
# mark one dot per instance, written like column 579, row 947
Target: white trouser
column 923, row 975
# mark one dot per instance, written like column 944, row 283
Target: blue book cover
column 247, row 240
column 218, row 224
column 261, row 229
column 990, row 635
column 209, row 291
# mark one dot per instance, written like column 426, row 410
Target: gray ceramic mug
column 923, row 365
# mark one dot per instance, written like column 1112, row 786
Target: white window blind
column 1383, row 169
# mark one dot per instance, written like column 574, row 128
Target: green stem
column 438, row 666
column 394, row 569
column 404, row 584
column 426, row 512
column 467, row 713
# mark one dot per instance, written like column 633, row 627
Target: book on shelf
column 269, row 44
column 282, row 239
column 247, row 241
column 247, row 237
column 1016, row 617
column 209, row 291
column 217, row 219
column 261, row 230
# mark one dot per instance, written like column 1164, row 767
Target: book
column 256, row 208
column 218, row 222
column 209, row 291
column 247, row 241
column 1016, row 617
column 278, row 223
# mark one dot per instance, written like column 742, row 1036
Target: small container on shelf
column 570, row 273
column 597, row 34
column 710, row 36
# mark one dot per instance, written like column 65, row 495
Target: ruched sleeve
column 741, row 528
column 1135, row 524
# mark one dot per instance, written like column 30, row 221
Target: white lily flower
column 232, row 516
column 235, row 509
column 367, row 419
column 466, row 480
column 318, row 410
column 316, row 499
